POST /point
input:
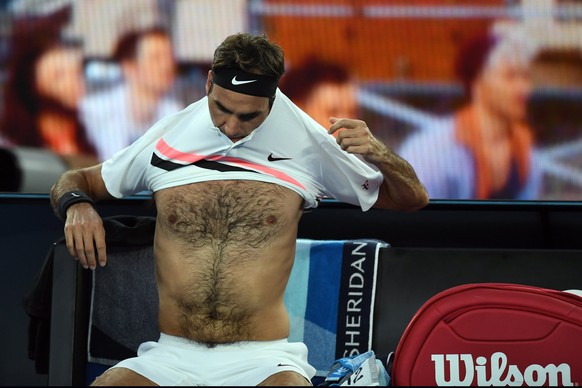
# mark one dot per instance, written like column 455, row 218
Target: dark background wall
column 28, row 227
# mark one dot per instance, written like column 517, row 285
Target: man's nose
column 231, row 125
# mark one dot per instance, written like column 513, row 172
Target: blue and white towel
column 330, row 298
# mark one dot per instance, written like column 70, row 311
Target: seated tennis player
column 231, row 175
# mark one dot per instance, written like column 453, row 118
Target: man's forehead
column 237, row 102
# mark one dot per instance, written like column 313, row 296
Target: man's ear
column 209, row 81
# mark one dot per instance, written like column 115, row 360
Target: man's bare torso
column 224, row 251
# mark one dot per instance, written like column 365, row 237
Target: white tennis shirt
column 289, row 149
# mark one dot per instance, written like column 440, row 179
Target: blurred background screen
column 482, row 97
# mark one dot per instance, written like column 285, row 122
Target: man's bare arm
column 84, row 231
column 401, row 189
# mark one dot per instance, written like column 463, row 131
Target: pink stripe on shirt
column 173, row 154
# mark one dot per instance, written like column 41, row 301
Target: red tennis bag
column 492, row 334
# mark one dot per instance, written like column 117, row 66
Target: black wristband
column 71, row 198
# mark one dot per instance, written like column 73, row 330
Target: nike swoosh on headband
column 237, row 82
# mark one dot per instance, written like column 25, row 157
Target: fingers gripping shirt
column 289, row 149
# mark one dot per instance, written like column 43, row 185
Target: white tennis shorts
column 178, row 361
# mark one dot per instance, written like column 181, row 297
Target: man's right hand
column 85, row 235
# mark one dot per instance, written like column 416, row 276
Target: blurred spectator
column 43, row 89
column 118, row 116
column 321, row 89
column 485, row 149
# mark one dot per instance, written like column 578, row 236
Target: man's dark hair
column 127, row 45
column 254, row 54
column 298, row 82
column 471, row 59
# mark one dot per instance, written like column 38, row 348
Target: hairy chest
column 227, row 212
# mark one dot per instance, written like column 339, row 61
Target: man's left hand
column 355, row 137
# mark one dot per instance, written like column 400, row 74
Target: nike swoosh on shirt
column 271, row 158
column 237, row 82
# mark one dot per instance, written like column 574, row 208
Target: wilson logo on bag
column 464, row 370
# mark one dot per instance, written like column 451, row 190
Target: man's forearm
column 401, row 189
